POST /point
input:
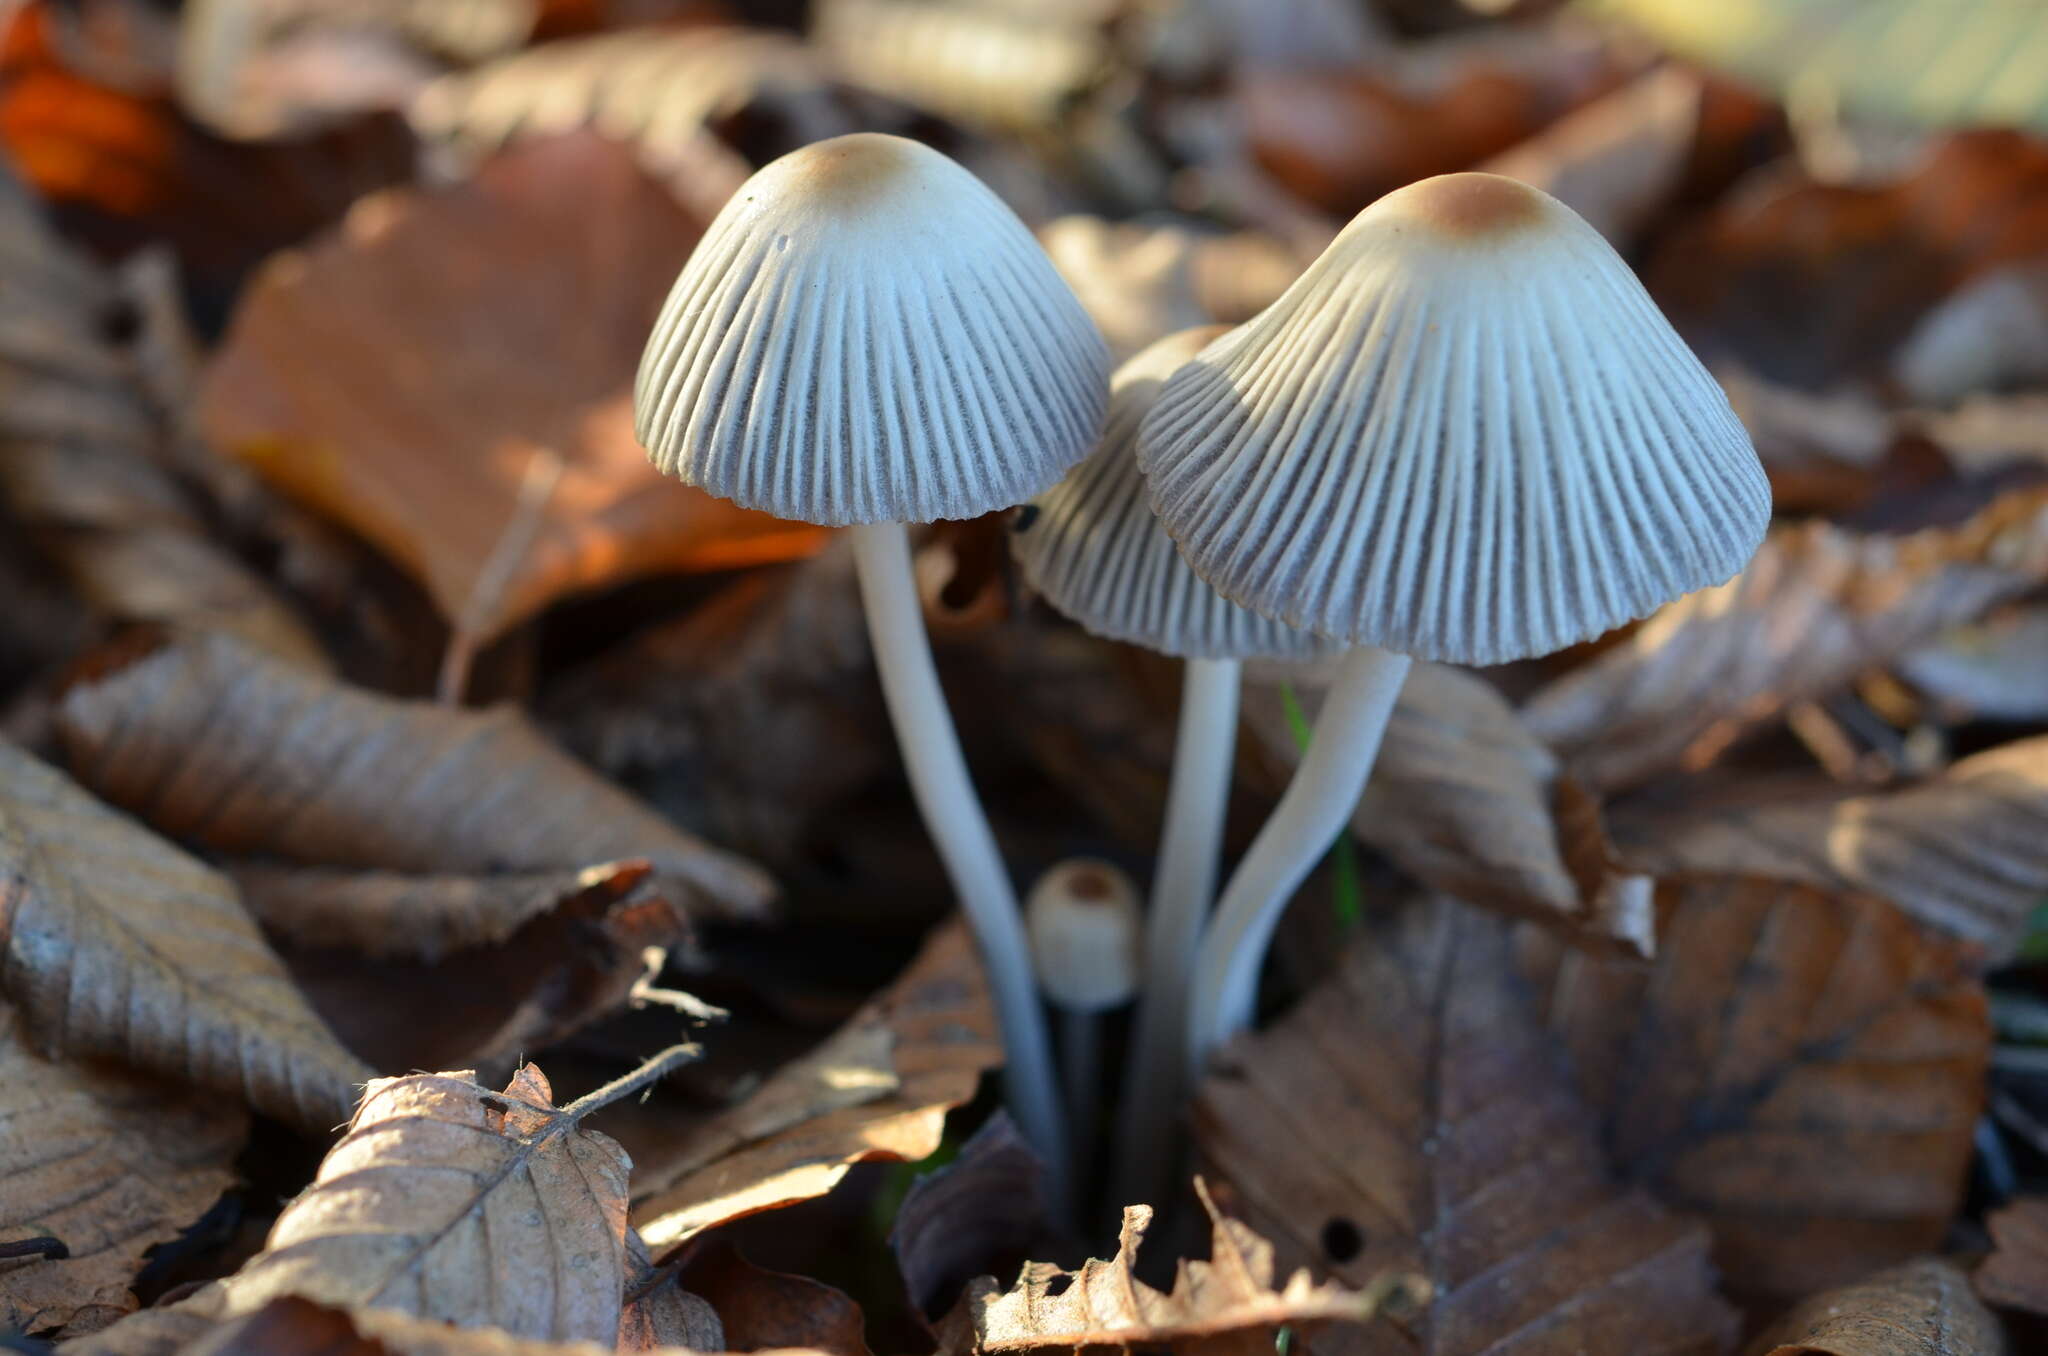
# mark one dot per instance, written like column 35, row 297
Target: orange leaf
column 450, row 374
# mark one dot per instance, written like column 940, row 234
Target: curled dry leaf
column 79, row 442
column 213, row 742
column 880, row 1089
column 109, row 1163
column 1923, row 1308
column 1411, row 1115
column 2015, row 1276
column 977, row 1215
column 1466, row 800
column 1231, row 1295
column 114, row 943
column 1817, row 606
column 499, row 492
column 385, row 914
column 1804, row 1069
column 586, row 953
column 447, row 1201
column 758, row 1309
column 1965, row 852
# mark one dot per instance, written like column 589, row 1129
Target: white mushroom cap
column 867, row 334
column 1466, row 433
column 1084, row 921
column 1092, row 546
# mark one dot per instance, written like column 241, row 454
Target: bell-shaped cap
column 1093, row 548
column 867, row 334
column 1466, row 433
column 1085, row 926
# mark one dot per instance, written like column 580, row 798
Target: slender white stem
column 1318, row 801
column 1199, row 794
column 1081, row 1062
column 953, row 815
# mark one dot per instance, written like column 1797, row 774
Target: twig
column 646, row 993
column 663, row 1064
column 44, row 1249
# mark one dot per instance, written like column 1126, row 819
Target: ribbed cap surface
column 1466, row 434
column 867, row 334
column 1084, row 921
column 1092, row 546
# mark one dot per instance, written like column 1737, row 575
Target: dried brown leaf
column 759, row 1309
column 880, row 1089
column 1466, row 800
column 2015, row 1276
column 1965, row 852
column 589, row 955
column 978, row 1215
column 80, row 444
column 1923, row 1308
column 1991, row 669
column 387, row 914
column 447, row 1201
column 1230, row 1296
column 1142, row 281
column 1805, row 1069
column 108, row 1162
column 1411, row 1114
column 210, row 741
column 114, row 943
column 1818, row 606
column 295, row 1326
column 387, row 376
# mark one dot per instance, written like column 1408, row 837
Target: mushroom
column 1083, row 920
column 1091, row 546
column 867, row 337
column 1466, row 433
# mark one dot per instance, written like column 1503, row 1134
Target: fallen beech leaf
column 1988, row 335
column 114, row 943
column 512, row 477
column 1411, row 1115
column 979, row 1215
column 1467, row 801
column 584, row 958
column 765, row 697
column 1619, row 159
column 760, row 1309
column 301, row 1327
column 659, row 1312
column 1817, row 607
column 1965, row 853
column 210, row 741
column 448, row 1201
column 108, row 1162
column 1991, row 669
column 938, row 1032
column 2015, row 1276
column 384, row 914
column 1804, row 1069
column 1923, row 1308
column 78, row 456
column 1105, row 1304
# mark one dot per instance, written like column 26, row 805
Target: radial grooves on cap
column 832, row 371
column 1473, row 472
column 1097, row 553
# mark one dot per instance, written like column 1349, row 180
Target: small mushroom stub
column 1466, row 433
column 1084, row 920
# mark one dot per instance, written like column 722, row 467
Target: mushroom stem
column 953, row 815
column 1317, row 802
column 1081, row 1063
column 1189, row 846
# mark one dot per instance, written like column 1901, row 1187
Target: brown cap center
column 1473, row 204
column 1091, row 886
